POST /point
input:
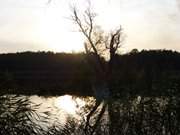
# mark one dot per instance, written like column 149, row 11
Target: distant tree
column 134, row 51
column 101, row 46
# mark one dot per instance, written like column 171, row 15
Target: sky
column 36, row 25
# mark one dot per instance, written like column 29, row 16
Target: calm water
column 145, row 114
column 62, row 107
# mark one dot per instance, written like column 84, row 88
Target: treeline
column 153, row 72
column 42, row 73
column 47, row 73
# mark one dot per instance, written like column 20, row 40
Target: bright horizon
column 37, row 26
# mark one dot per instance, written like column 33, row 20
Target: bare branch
column 90, row 17
column 85, row 29
column 86, row 48
column 118, row 38
column 115, row 41
column 98, row 44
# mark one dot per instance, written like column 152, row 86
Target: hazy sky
column 32, row 25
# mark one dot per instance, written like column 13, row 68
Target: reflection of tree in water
column 134, row 116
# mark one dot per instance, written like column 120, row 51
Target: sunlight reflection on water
column 68, row 104
column 59, row 107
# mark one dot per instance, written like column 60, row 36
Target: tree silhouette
column 101, row 46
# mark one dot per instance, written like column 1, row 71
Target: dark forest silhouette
column 47, row 73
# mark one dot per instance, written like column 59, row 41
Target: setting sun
column 56, row 33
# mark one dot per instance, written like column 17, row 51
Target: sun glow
column 56, row 32
column 68, row 104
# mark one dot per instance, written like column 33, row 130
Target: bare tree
column 100, row 45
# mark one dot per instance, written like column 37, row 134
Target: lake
column 146, row 115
